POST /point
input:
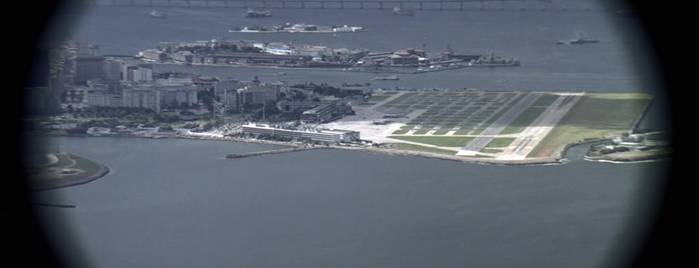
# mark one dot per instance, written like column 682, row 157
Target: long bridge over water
column 355, row 4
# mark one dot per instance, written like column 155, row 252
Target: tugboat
column 581, row 40
column 158, row 14
column 257, row 14
column 401, row 12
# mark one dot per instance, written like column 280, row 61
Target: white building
column 142, row 98
column 104, row 99
column 142, row 74
column 323, row 135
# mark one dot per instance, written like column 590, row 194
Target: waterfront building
column 320, row 114
column 183, row 56
column 322, row 135
column 357, row 89
column 87, row 68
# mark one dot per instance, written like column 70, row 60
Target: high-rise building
column 87, row 68
column 113, row 69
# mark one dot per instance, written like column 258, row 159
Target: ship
column 402, row 12
column 492, row 61
column 257, row 14
column 158, row 15
column 393, row 77
column 581, row 40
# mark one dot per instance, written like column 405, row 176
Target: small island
column 63, row 170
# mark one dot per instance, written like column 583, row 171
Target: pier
column 278, row 151
column 356, row 4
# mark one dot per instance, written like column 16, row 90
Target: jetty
column 278, row 151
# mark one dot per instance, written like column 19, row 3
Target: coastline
column 385, row 151
column 558, row 157
column 67, row 181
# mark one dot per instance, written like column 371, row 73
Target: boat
column 402, row 12
column 393, row 77
column 581, row 40
column 158, row 15
column 492, row 61
column 257, row 14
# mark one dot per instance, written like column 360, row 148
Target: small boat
column 402, row 12
column 581, row 40
column 158, row 15
column 386, row 78
column 257, row 14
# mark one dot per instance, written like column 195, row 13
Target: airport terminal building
column 322, row 135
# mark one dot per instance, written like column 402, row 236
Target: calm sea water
column 179, row 203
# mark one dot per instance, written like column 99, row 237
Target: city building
column 87, row 68
column 112, row 86
column 251, row 97
column 178, row 96
column 321, row 135
column 225, row 84
column 142, row 98
column 127, row 72
column 141, row 74
column 112, row 69
column 231, row 100
column 100, row 97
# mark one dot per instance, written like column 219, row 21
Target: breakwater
column 278, row 151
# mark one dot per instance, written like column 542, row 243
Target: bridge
column 351, row 4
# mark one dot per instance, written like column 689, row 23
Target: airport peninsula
column 62, row 170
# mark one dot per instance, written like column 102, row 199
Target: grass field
column 88, row 166
column 523, row 120
column 444, row 141
column 500, row 142
column 595, row 115
column 412, row 147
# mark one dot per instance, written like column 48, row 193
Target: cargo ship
column 257, row 14
column 402, row 12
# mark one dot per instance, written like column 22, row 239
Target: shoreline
column 558, row 157
column 67, row 182
column 469, row 160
